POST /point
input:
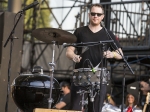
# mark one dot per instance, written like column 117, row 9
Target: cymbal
column 51, row 34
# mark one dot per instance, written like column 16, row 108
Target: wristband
column 114, row 54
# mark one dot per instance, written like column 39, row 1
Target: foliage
column 39, row 18
column 3, row 5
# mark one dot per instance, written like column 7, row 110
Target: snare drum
column 85, row 76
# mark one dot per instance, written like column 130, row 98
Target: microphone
column 91, row 66
column 67, row 45
column 102, row 24
column 31, row 5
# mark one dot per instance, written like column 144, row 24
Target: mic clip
column 90, row 65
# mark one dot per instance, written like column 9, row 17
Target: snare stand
column 52, row 64
column 83, row 102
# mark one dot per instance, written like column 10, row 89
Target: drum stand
column 52, row 64
column 83, row 102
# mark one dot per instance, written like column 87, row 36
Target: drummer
column 94, row 32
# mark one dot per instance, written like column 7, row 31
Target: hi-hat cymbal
column 51, row 34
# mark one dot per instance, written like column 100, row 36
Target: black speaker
column 6, row 25
column 134, row 88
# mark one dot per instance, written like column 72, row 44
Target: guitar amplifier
column 53, row 110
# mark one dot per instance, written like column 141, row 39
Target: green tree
column 3, row 5
column 38, row 18
column 42, row 16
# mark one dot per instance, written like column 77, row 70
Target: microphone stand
column 126, row 64
column 102, row 85
column 11, row 37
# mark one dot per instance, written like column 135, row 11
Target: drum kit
column 30, row 91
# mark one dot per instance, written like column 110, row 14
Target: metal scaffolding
column 128, row 20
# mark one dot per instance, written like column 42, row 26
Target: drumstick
column 83, row 50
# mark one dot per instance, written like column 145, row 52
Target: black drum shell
column 32, row 91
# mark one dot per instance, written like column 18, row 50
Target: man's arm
column 71, row 54
column 60, row 105
column 110, row 100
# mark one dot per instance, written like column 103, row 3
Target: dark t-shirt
column 94, row 54
column 66, row 99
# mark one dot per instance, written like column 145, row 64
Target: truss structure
column 128, row 20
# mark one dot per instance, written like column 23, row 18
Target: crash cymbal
column 51, row 34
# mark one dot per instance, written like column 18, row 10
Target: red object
column 117, row 37
column 129, row 109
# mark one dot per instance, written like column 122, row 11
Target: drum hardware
column 52, row 35
column 85, row 77
column 92, row 76
column 91, row 91
column 83, row 102
column 87, row 43
column 52, row 64
column 37, row 69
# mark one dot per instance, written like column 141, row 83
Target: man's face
column 96, row 16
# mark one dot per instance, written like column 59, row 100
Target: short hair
column 64, row 84
column 97, row 5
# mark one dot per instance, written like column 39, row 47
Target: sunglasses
column 98, row 14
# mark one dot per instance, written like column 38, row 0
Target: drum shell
column 85, row 76
column 32, row 91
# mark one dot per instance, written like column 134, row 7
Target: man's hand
column 76, row 58
column 108, row 54
column 113, row 54
column 145, row 87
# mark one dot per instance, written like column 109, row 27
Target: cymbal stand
column 83, row 102
column 52, row 64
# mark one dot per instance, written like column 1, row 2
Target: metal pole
column 52, row 64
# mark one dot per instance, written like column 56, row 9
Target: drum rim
column 87, row 69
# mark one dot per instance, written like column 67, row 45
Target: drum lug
column 108, row 75
column 89, row 76
column 98, row 76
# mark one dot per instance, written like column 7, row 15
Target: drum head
column 32, row 91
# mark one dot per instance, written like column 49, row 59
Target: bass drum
column 31, row 91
